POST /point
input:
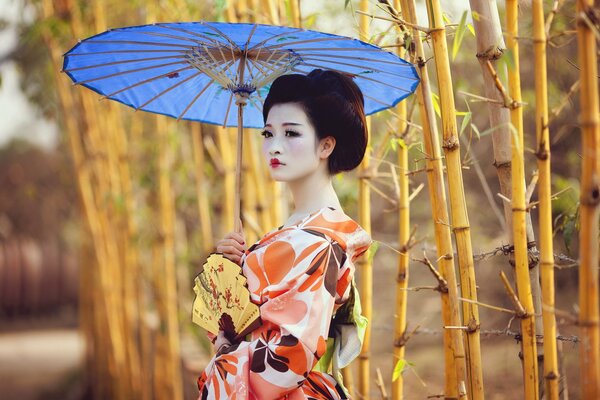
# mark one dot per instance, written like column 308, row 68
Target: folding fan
column 223, row 300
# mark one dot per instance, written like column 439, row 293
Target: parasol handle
column 241, row 102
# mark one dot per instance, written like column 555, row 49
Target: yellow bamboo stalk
column 551, row 372
column 294, row 6
column 458, row 208
column 403, row 259
column 169, row 385
column 403, row 238
column 453, row 342
column 272, row 10
column 202, row 192
column 250, row 191
column 530, row 367
column 225, row 147
column 589, row 348
column 101, row 348
column 364, row 266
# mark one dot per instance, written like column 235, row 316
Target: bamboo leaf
column 446, row 19
column 310, row 20
column 436, row 104
column 372, row 250
column 220, row 10
column 474, row 127
column 465, row 122
column 459, row 35
column 398, row 369
column 471, row 29
column 346, row 4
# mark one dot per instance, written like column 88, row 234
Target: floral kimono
column 299, row 276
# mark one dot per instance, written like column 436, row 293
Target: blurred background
column 106, row 215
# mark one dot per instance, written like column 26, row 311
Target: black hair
column 334, row 105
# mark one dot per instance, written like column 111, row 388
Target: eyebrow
column 286, row 124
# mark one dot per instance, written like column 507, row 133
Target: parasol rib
column 227, row 111
column 178, row 29
column 146, row 81
column 355, row 65
column 182, row 38
column 274, row 71
column 169, row 89
column 362, row 77
column 182, row 46
column 126, row 51
column 194, row 99
column 377, row 100
column 276, row 46
column 122, row 62
column 260, row 44
column 400, row 64
column 128, row 72
column 233, row 44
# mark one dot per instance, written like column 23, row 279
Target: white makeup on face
column 290, row 143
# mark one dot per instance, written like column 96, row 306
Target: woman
column 300, row 273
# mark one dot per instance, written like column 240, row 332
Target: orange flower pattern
column 299, row 276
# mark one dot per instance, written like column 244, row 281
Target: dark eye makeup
column 288, row 132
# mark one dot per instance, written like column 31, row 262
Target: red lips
column 275, row 162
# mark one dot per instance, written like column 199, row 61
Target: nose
column 275, row 146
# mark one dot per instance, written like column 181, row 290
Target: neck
column 313, row 193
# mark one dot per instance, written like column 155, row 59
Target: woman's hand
column 232, row 246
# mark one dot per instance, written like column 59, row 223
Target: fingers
column 232, row 246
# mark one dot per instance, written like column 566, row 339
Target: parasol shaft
column 237, row 223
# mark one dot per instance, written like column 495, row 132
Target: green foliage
column 398, row 369
column 372, row 250
column 459, row 34
column 220, row 10
column 566, row 208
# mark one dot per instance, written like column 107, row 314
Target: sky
column 17, row 116
column 20, row 118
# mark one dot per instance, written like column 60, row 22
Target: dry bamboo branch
column 519, row 309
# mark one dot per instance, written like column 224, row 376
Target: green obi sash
column 346, row 336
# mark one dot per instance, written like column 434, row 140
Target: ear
column 326, row 147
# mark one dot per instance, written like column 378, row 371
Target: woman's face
column 290, row 146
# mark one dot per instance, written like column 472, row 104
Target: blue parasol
column 200, row 70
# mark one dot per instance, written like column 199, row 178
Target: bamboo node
column 491, row 53
column 500, row 165
column 551, row 376
column 542, row 153
column 472, row 326
column 451, row 143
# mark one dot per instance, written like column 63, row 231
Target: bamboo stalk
column 201, row 188
column 404, row 236
column 551, row 372
column 589, row 349
column 403, row 259
column 169, row 384
column 458, row 207
column 224, row 142
column 530, row 366
column 454, row 356
column 364, row 266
